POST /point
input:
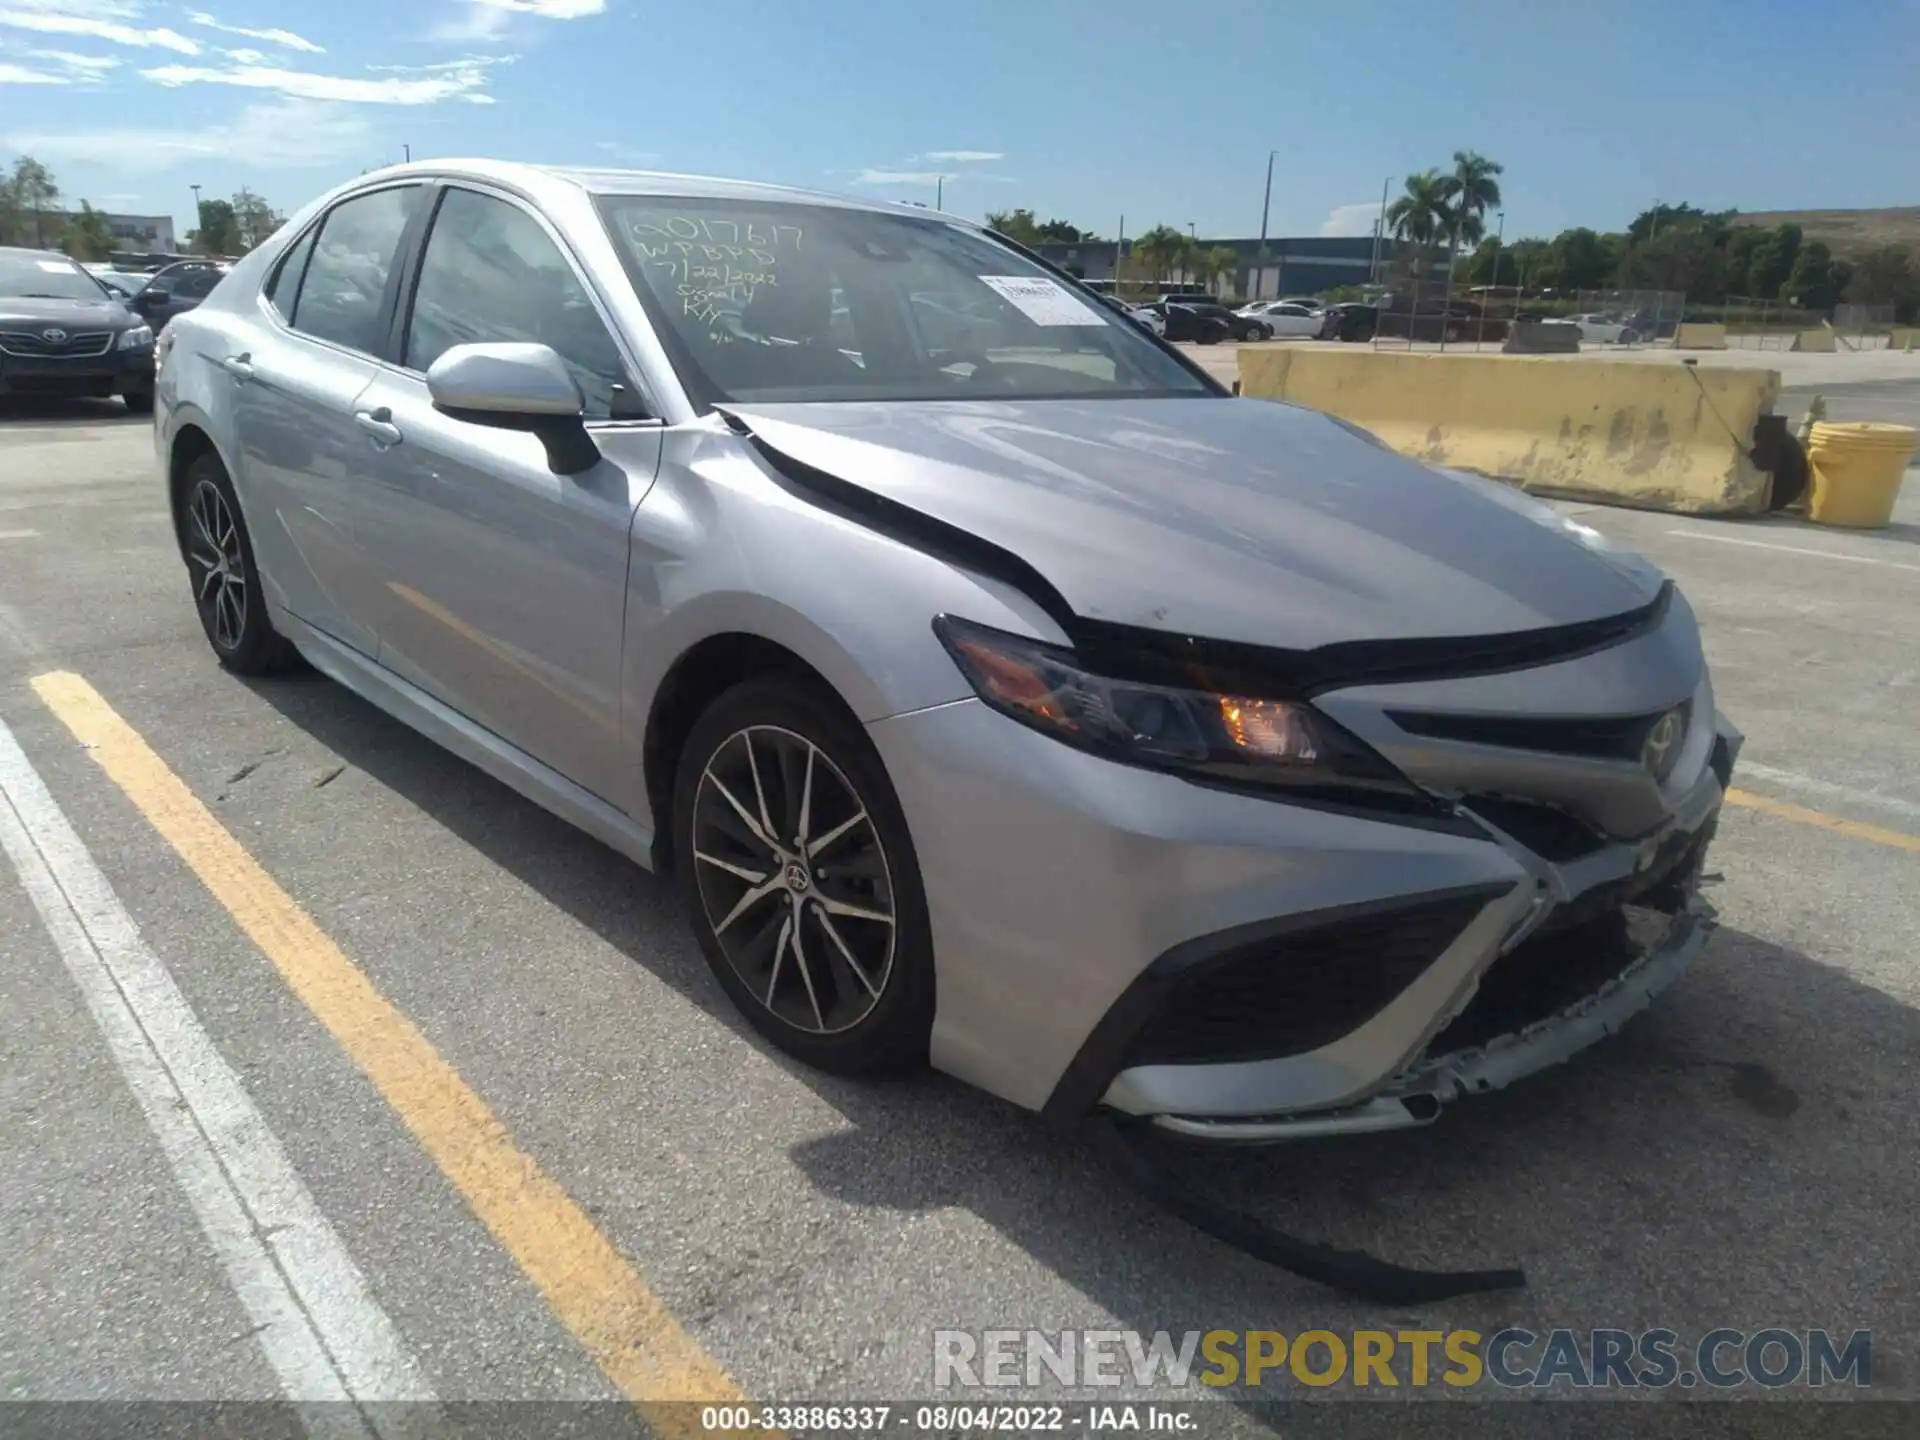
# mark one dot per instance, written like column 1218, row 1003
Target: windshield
column 50, row 277
column 775, row 302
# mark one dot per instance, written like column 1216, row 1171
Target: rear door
column 306, row 464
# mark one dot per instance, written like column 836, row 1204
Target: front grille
column 1297, row 992
column 1600, row 738
column 33, row 344
column 1551, row 833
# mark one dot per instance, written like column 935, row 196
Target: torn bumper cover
column 1417, row 1096
column 1529, row 985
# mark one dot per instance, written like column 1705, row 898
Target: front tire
column 224, row 576
column 800, row 879
column 139, row 402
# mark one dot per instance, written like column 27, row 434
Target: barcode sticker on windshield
column 1043, row 301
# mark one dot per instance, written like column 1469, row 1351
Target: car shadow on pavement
column 1741, row 1155
column 49, row 410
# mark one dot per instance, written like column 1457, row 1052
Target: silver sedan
column 1001, row 691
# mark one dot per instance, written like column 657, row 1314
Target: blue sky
column 1082, row 109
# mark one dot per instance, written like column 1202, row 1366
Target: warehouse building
column 1295, row 265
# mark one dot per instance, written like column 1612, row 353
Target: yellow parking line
column 1857, row 829
column 586, row 1282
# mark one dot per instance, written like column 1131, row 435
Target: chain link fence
column 1422, row 311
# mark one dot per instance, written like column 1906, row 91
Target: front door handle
column 379, row 426
column 238, row 366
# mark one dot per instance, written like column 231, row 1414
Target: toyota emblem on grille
column 1661, row 739
column 54, row 336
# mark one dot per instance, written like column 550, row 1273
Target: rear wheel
column 225, row 579
column 800, row 880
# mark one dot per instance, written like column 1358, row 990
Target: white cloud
column 287, row 133
column 1351, row 219
column 95, row 19
column 285, row 39
column 485, row 19
column 962, row 157
column 460, row 79
column 85, row 65
column 899, row 177
column 247, row 57
column 21, row 75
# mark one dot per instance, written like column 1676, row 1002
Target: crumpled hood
column 17, row 312
column 1235, row 520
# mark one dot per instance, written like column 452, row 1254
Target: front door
column 502, row 586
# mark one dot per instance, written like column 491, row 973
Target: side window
column 285, row 283
column 491, row 273
column 195, row 284
column 347, row 277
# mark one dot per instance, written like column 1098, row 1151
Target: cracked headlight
column 1239, row 740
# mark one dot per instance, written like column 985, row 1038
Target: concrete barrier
column 1653, row 436
column 1903, row 337
column 1814, row 342
column 1697, row 335
column 1541, row 337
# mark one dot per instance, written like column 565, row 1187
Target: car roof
column 25, row 252
column 538, row 180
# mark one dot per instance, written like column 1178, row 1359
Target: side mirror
column 152, row 298
column 516, row 387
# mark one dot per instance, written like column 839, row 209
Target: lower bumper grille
column 1578, row 950
column 1297, row 992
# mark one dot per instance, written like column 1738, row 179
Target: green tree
column 219, row 229
column 1018, row 226
column 1061, row 232
column 1493, row 263
column 1209, row 265
column 1649, row 223
column 1772, row 263
column 1420, row 216
column 1581, row 259
column 1472, row 189
column 1161, row 250
column 1817, row 279
column 1886, row 276
column 1682, row 258
column 253, row 220
column 30, row 198
column 87, row 236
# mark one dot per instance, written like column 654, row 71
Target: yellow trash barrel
column 1856, row 471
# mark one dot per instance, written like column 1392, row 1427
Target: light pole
column 1499, row 255
column 199, row 219
column 939, row 192
column 1266, row 205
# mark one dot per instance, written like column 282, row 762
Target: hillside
column 1848, row 232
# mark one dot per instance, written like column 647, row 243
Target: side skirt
column 447, row 727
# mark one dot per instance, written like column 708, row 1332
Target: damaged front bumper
column 1418, row 1095
column 1598, row 939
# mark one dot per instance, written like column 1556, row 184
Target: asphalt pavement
column 1746, row 1154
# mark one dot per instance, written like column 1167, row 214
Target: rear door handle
column 238, row 366
column 378, row 424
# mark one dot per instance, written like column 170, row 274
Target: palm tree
column 1161, row 249
column 1423, row 214
column 1472, row 190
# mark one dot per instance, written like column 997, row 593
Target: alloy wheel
column 793, row 879
column 219, row 565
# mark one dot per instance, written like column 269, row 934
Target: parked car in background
column 1350, row 321
column 176, row 289
column 64, row 333
column 1285, row 319
column 1239, row 327
column 1604, row 329
column 1183, row 322
column 1154, row 320
column 124, row 283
